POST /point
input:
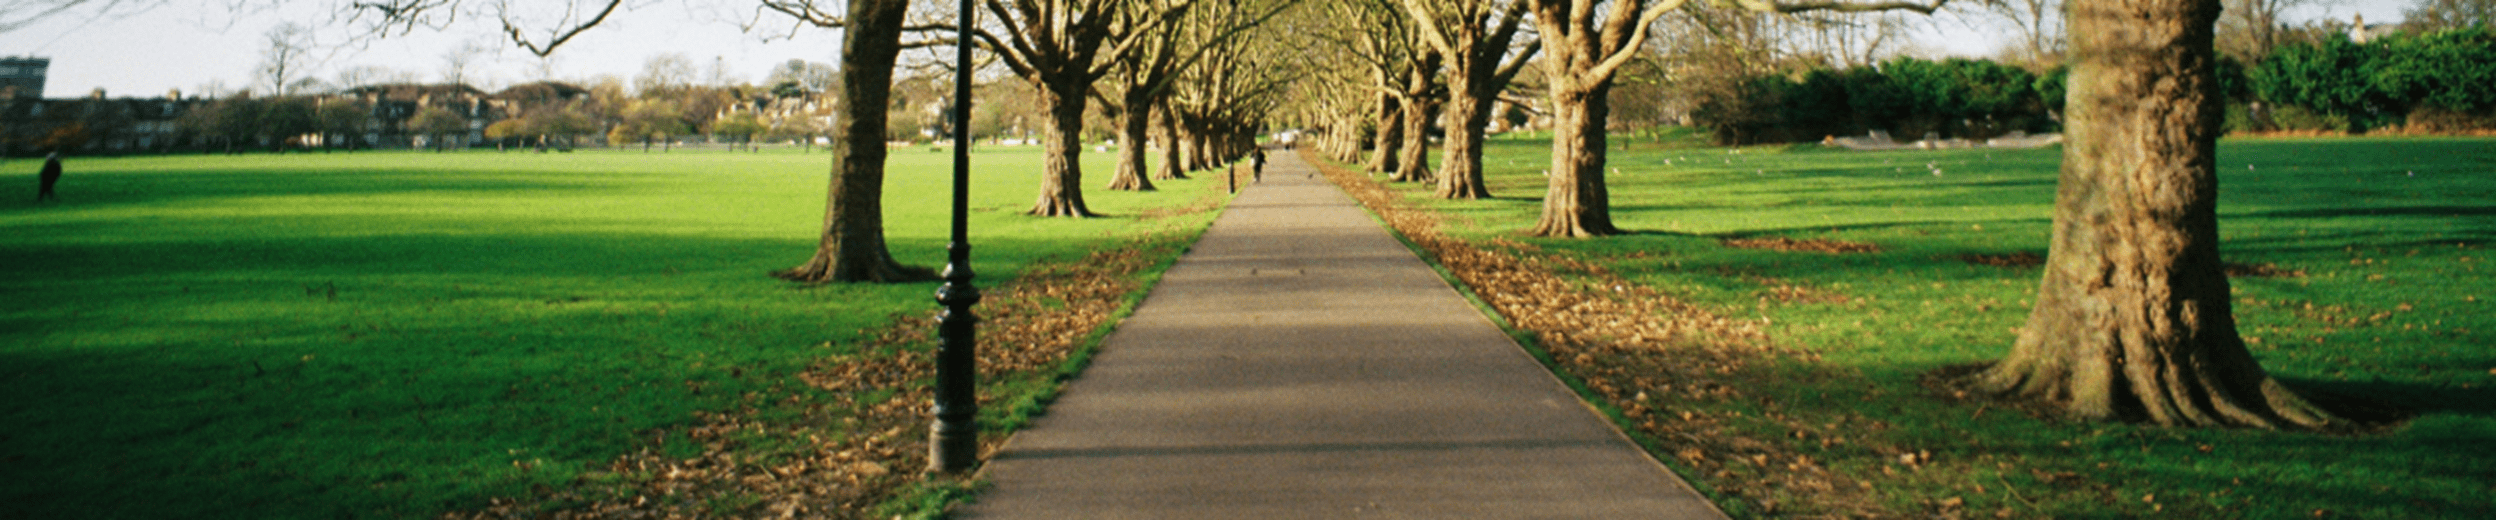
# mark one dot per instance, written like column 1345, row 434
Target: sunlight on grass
column 389, row 334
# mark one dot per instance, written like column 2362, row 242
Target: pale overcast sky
column 186, row 47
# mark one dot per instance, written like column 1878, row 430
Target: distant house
column 22, row 76
column 791, row 114
column 526, row 98
column 96, row 123
column 393, row 104
column 2359, row 32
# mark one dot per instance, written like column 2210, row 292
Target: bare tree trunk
column 1578, row 205
column 1134, row 128
column 1348, row 145
column 1413, row 155
column 1061, row 176
column 1201, row 153
column 1460, row 173
column 1421, row 111
column 852, row 248
column 1382, row 157
column 1170, row 168
column 2133, row 320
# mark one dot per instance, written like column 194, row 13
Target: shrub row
column 2443, row 81
column 1906, row 97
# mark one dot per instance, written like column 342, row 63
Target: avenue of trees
column 2133, row 320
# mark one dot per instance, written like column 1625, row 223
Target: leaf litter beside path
column 847, row 438
column 1663, row 369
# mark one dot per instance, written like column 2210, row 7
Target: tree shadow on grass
column 2397, row 397
column 327, row 376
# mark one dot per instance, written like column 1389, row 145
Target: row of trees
column 1177, row 64
column 2132, row 320
column 1454, row 61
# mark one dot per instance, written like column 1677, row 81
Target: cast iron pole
column 954, row 442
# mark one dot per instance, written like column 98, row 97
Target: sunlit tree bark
column 1476, row 37
column 2133, row 320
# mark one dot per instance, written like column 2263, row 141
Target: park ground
column 1810, row 292
column 407, row 334
column 404, row 334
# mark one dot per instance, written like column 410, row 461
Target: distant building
column 394, row 104
column 92, row 124
column 22, row 77
column 2359, row 32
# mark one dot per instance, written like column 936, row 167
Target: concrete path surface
column 1298, row 362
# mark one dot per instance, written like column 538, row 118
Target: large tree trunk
column 1421, row 111
column 1061, row 176
column 1382, row 158
column 1578, row 205
column 1460, row 173
column 852, row 248
column 1204, row 149
column 1170, row 168
column 1134, row 128
column 2133, row 319
column 1359, row 131
column 1413, row 156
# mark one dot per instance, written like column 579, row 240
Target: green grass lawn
column 2390, row 235
column 390, row 334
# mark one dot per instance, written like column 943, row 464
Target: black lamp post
column 953, row 445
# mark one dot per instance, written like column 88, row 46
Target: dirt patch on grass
column 1650, row 360
column 1812, row 245
column 855, row 438
column 2262, row 270
column 2011, row 260
column 1788, row 292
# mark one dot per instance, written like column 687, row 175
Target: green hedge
column 2386, row 81
column 1907, row 97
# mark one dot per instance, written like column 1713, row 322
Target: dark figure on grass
column 50, row 176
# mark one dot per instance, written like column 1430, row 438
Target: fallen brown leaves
column 2014, row 260
column 843, row 455
column 1650, row 356
column 1815, row 245
column 2262, row 270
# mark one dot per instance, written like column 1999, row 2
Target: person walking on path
column 50, row 176
column 1256, row 161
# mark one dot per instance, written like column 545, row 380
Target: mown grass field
column 2374, row 282
column 394, row 334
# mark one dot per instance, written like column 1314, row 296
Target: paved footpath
column 1301, row 363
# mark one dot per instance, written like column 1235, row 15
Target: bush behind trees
column 1906, row 97
column 2439, row 81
